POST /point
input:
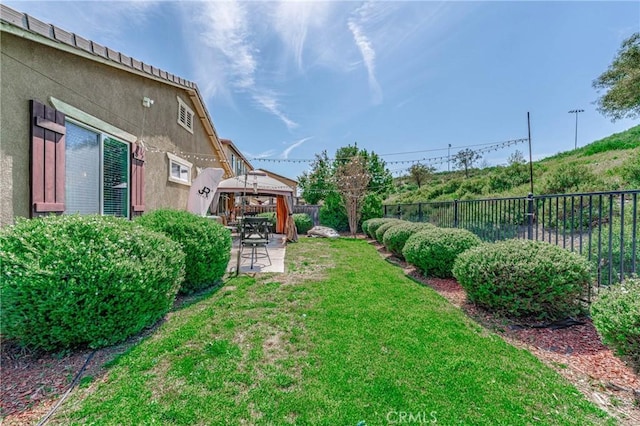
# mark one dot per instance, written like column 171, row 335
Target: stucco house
column 238, row 162
column 85, row 129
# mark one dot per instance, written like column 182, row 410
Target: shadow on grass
column 186, row 300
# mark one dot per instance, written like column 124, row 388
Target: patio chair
column 254, row 234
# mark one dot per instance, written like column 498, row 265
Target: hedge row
column 72, row 281
column 92, row 281
column 517, row 278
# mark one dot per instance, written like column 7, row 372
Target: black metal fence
column 603, row 226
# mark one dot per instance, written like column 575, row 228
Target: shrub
column 433, row 250
column 371, row 208
column 523, row 278
column 396, row 236
column 206, row 244
column 365, row 225
column 609, row 260
column 303, row 222
column 374, row 224
column 271, row 217
column 631, row 171
column 616, row 316
column 569, row 177
column 72, row 281
column 333, row 214
column 382, row 229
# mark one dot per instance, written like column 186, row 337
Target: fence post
column 419, row 212
column 530, row 216
column 455, row 213
column 385, row 210
column 399, row 213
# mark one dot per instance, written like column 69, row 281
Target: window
column 97, row 172
column 86, row 168
column 185, row 115
column 179, row 169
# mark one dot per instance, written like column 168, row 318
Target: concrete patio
column 276, row 248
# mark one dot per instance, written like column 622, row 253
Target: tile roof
column 33, row 25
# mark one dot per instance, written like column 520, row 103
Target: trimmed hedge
column 523, row 278
column 75, row 281
column 433, row 250
column 205, row 242
column 303, row 222
column 382, row 229
column 616, row 316
column 365, row 225
column 373, row 225
column 396, row 237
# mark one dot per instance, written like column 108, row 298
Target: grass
column 604, row 158
column 341, row 339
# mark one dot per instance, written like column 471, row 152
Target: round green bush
column 365, row 225
column 523, row 278
column 396, row 236
column 205, row 242
column 382, row 229
column 303, row 222
column 374, row 224
column 75, row 281
column 616, row 316
column 433, row 250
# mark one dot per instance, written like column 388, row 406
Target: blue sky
column 287, row 80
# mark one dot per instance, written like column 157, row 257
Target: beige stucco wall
column 29, row 70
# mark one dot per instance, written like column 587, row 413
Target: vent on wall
column 185, row 115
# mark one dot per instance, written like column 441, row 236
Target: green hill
column 612, row 163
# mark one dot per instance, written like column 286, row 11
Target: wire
column 45, row 419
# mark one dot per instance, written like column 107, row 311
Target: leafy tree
column 316, row 183
column 421, row 174
column 622, row 82
column 465, row 159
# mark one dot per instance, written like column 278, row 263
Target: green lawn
column 343, row 338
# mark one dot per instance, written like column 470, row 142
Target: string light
column 430, row 160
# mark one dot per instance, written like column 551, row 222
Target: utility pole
column 449, row 158
column 576, row 111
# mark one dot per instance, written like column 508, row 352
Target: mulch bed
column 32, row 383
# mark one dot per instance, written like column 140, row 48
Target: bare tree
column 352, row 179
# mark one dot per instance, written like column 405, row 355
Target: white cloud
column 296, row 22
column 268, row 101
column 223, row 27
column 362, row 15
column 286, row 152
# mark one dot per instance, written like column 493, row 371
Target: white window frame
column 186, row 117
column 174, row 159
